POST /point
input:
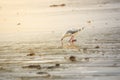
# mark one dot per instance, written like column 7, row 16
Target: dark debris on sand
column 18, row 23
column 52, row 67
column 72, row 58
column 32, row 66
column 97, row 46
column 59, row 5
column 89, row 21
column 85, row 50
column 44, row 74
column 31, row 54
column 87, row 59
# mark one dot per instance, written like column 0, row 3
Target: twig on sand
column 59, row 5
column 44, row 74
column 32, row 66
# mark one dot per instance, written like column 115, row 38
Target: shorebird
column 71, row 34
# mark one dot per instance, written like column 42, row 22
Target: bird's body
column 72, row 31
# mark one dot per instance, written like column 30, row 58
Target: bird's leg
column 71, row 40
column 66, row 35
column 62, row 40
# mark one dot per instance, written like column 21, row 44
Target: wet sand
column 31, row 50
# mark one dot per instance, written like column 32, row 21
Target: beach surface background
column 37, row 26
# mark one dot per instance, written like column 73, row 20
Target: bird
column 71, row 34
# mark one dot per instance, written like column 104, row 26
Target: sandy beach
column 30, row 34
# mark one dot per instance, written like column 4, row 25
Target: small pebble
column 57, row 65
column 72, row 58
column 87, row 59
column 97, row 47
column 31, row 54
column 18, row 23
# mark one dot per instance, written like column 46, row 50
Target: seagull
column 71, row 34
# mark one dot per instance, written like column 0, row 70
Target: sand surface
column 30, row 33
